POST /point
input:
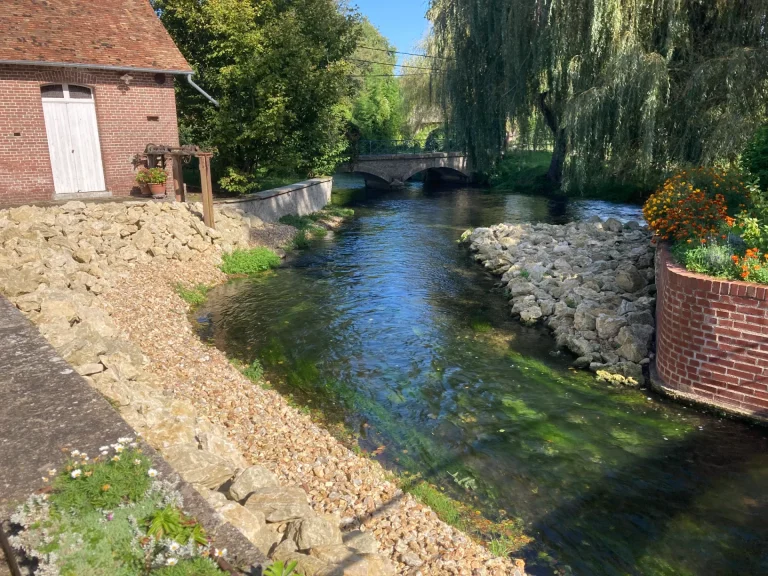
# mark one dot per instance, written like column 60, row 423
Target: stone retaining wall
column 712, row 339
column 299, row 199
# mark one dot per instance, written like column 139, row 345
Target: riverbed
column 388, row 326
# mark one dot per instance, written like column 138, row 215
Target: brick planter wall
column 129, row 117
column 712, row 339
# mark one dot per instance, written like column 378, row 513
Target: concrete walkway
column 47, row 410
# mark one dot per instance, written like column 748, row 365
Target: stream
column 390, row 327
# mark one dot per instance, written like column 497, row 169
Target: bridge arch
column 440, row 172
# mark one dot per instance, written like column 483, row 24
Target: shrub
column 755, row 156
column 248, row 262
column 696, row 204
column 714, row 260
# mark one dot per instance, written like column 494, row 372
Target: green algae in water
column 376, row 328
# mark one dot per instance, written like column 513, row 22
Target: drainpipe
column 203, row 92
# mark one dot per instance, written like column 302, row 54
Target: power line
column 384, row 75
column 407, row 53
column 391, row 64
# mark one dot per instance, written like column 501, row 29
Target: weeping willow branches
column 625, row 87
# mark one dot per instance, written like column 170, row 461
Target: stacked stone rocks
column 591, row 283
column 55, row 263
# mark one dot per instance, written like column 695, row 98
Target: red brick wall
column 712, row 338
column 121, row 112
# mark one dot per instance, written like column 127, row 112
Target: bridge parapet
column 396, row 169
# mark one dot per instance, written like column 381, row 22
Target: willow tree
column 626, row 87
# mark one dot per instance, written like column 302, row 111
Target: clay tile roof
column 100, row 33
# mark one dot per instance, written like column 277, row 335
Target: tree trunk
column 555, row 173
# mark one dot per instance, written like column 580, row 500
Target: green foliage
column 191, row 567
column 755, row 156
column 711, row 259
column 254, row 372
column 194, row 296
column 625, row 88
column 102, row 484
column 281, row 569
column 337, row 211
column 753, row 231
column 248, row 262
column 171, row 523
column 502, row 546
column 447, row 509
column 377, row 104
column 151, row 176
column 280, row 72
column 93, row 520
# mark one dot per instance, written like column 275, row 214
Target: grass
column 448, row 510
column 109, row 515
column 249, row 262
column 307, row 226
column 526, row 173
column 254, row 372
column 194, row 296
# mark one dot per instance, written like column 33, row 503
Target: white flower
column 220, row 553
column 75, row 453
column 174, row 546
column 119, row 449
column 152, row 472
column 124, row 440
column 45, row 479
column 103, row 448
column 137, row 462
column 104, row 452
column 171, row 562
column 76, row 473
column 83, row 455
column 133, row 444
column 52, row 472
column 115, row 458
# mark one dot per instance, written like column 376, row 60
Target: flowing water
column 390, row 326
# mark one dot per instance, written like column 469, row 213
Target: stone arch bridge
column 393, row 170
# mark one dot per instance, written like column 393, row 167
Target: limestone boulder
column 279, row 504
column 314, row 531
column 349, row 562
column 630, row 279
column 608, row 326
column 251, row 479
column 197, row 466
column 634, row 341
column 361, row 542
column 248, row 522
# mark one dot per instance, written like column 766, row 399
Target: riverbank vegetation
column 112, row 514
column 249, row 262
column 623, row 91
column 525, row 172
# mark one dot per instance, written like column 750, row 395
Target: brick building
column 83, row 87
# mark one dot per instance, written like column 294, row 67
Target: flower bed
column 717, row 223
column 112, row 515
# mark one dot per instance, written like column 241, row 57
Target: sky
column 403, row 22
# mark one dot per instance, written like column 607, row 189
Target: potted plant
column 154, row 179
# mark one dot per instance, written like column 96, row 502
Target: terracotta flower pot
column 145, row 191
column 158, row 190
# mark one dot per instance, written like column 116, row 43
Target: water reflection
column 390, row 326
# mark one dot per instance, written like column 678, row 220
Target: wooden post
column 205, row 181
column 178, row 179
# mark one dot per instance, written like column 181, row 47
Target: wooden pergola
column 158, row 156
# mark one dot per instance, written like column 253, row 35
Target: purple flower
column 110, row 516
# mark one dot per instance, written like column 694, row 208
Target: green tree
column 376, row 109
column 626, row 87
column 279, row 69
column 419, row 87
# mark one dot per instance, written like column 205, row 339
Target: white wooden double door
column 73, row 138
